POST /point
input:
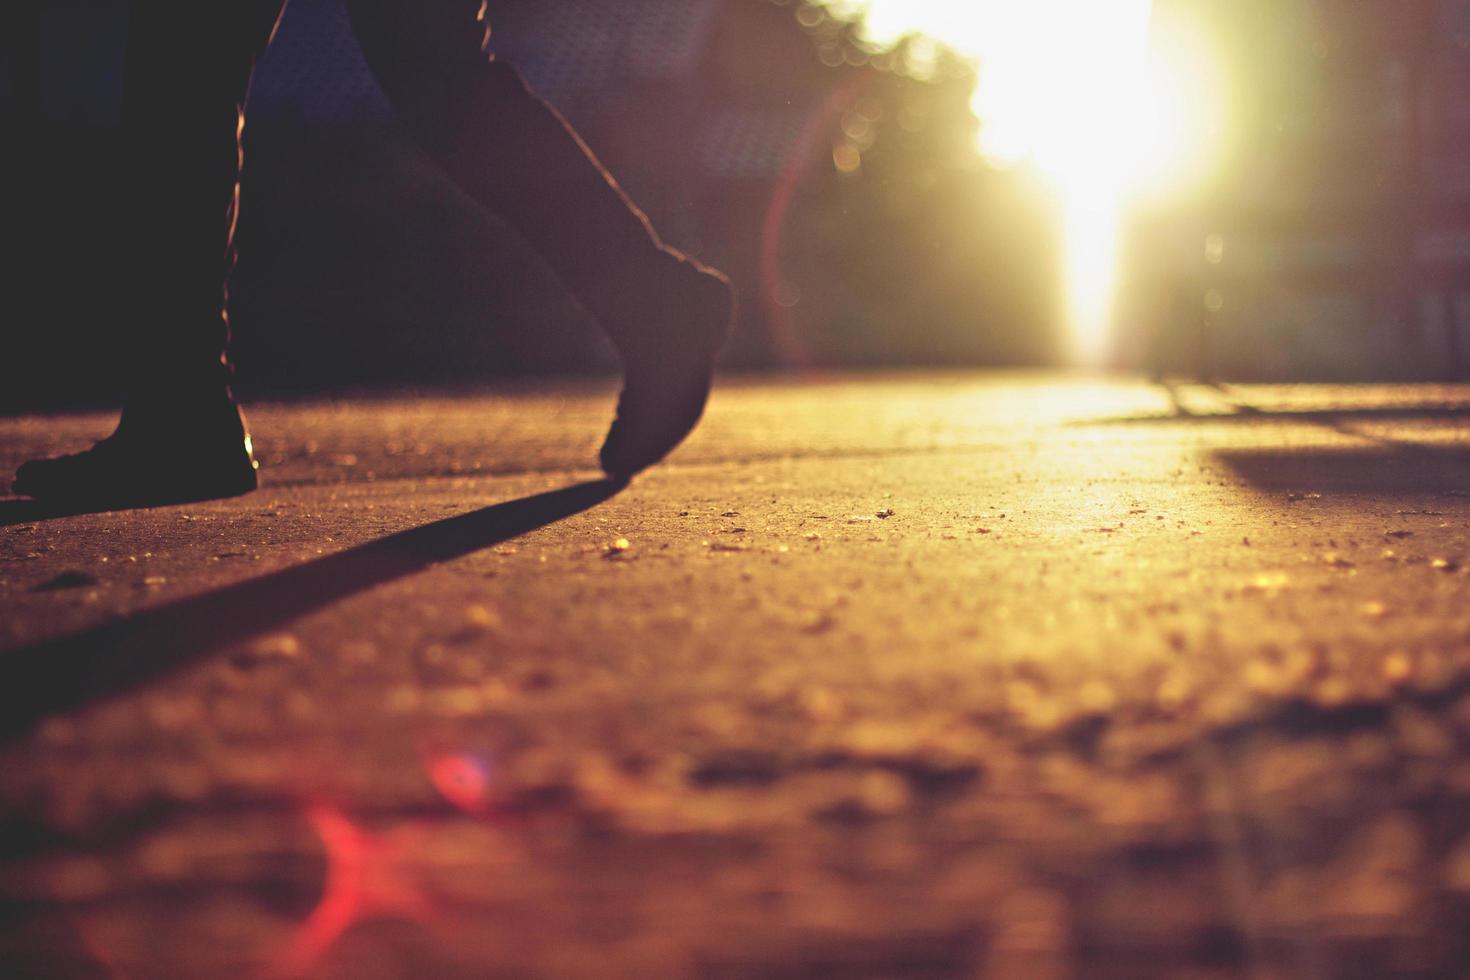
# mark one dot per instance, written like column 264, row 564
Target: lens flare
column 1109, row 102
column 368, row 877
column 464, row 780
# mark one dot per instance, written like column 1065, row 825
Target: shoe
column 177, row 458
column 668, row 366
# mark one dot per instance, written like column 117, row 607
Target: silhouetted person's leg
column 667, row 315
column 181, row 437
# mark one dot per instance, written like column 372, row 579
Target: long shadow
column 1252, row 414
column 20, row 510
column 1383, row 470
column 1181, row 410
column 1237, row 409
column 57, row 675
column 1379, row 465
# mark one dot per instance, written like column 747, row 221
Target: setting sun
column 1107, row 102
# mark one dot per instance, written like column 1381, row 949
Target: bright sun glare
column 1107, row 108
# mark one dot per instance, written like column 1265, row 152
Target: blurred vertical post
column 1415, row 173
column 20, row 49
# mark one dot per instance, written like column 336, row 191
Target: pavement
column 996, row 676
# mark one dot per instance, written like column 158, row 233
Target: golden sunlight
column 1109, row 103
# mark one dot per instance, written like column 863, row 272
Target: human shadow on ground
column 1376, row 464
column 1234, row 408
column 56, row 675
column 1381, row 470
column 1180, row 408
column 23, row 510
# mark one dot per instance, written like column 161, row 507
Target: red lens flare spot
column 463, row 780
column 367, row 878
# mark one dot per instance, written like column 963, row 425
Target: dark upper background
column 1345, row 205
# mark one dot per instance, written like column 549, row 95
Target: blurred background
column 1258, row 189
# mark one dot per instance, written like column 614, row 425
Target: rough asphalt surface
column 917, row 676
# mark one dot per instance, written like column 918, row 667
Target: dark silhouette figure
column 186, row 75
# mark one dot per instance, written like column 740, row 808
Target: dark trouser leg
column 509, row 150
column 181, row 436
column 185, row 78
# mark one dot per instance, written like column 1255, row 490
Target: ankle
column 182, row 412
column 685, row 309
